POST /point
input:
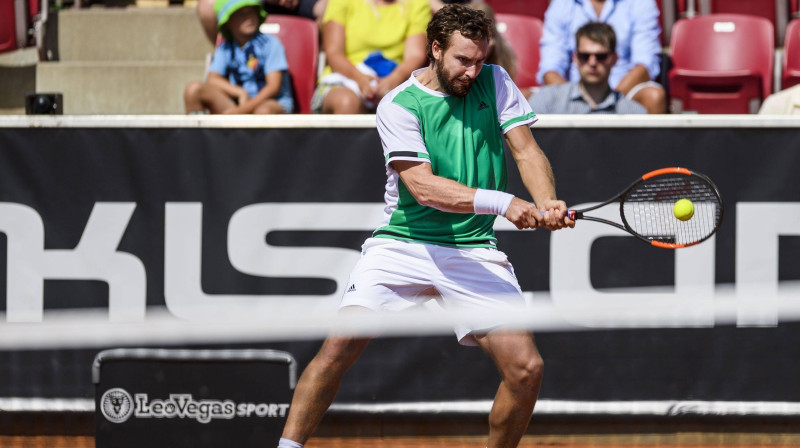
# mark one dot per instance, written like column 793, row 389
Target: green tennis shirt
column 462, row 139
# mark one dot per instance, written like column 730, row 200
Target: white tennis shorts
column 394, row 275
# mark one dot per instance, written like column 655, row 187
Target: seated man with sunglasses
column 636, row 25
column 594, row 56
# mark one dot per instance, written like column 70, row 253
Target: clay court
column 688, row 440
column 437, row 432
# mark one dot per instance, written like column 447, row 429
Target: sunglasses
column 600, row 57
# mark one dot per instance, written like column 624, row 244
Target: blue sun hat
column 223, row 9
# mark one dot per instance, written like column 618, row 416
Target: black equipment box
column 44, row 104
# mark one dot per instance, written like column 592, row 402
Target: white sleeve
column 512, row 108
column 400, row 133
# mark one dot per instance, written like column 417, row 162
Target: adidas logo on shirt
column 482, row 106
column 352, row 288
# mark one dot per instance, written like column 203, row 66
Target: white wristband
column 491, row 202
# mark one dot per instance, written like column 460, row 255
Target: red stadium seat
column 9, row 32
column 33, row 9
column 795, row 8
column 533, row 8
column 300, row 38
column 791, row 55
column 722, row 63
column 523, row 34
column 776, row 11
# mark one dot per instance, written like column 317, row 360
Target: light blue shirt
column 568, row 99
column 634, row 21
column 265, row 54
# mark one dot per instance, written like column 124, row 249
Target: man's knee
column 525, row 376
column 533, row 372
column 652, row 98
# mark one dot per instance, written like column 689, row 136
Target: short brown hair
column 599, row 32
column 471, row 23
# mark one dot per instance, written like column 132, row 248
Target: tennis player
column 442, row 132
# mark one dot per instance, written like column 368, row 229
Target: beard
column 448, row 82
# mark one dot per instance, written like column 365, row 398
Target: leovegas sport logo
column 117, row 406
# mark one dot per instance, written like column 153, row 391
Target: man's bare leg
column 654, row 99
column 521, row 367
column 318, row 385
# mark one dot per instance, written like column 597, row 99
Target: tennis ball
column 683, row 209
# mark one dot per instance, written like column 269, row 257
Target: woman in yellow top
column 352, row 32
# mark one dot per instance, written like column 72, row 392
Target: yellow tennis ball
column 683, row 209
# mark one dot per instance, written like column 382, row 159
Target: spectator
column 638, row 47
column 249, row 72
column 371, row 46
column 500, row 51
column 312, row 9
column 785, row 102
column 595, row 57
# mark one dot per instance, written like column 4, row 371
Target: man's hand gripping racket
column 669, row 208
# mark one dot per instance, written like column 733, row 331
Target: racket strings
column 648, row 209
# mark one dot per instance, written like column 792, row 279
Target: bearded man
column 442, row 133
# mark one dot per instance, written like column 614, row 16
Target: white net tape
column 289, row 318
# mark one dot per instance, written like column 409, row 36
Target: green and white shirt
column 462, row 139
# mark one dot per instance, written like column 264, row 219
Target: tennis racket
column 646, row 208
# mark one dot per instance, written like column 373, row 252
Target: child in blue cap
column 249, row 72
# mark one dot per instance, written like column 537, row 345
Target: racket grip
column 570, row 214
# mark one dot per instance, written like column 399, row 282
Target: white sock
column 286, row 443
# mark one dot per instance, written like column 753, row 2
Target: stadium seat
column 722, row 63
column 523, row 34
column 33, row 9
column 533, row 8
column 795, row 8
column 776, row 11
column 17, row 19
column 8, row 30
column 13, row 25
column 791, row 55
column 300, row 38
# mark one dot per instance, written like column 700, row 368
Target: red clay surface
column 436, row 442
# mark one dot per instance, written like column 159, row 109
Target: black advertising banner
column 191, row 398
column 125, row 219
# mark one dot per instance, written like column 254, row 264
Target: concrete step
column 131, row 34
column 17, row 77
column 138, row 87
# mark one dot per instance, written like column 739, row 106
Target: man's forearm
column 553, row 78
column 637, row 75
column 435, row 191
column 444, row 194
column 537, row 176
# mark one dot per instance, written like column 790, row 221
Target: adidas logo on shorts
column 352, row 288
